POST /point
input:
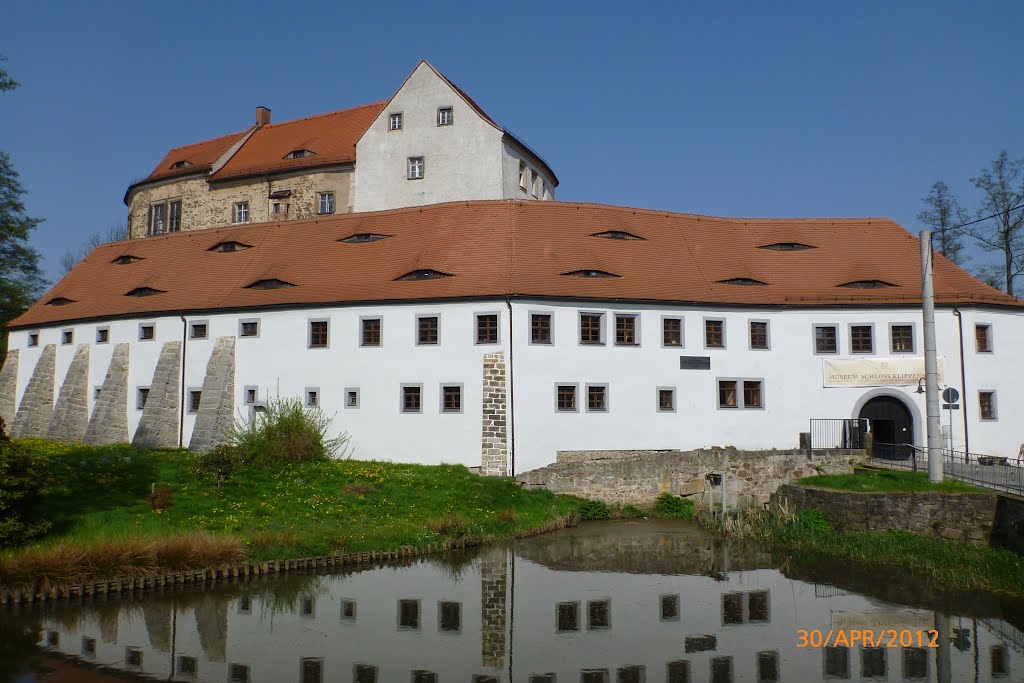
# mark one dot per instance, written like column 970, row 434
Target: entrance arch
column 892, row 427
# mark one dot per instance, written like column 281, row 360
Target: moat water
column 634, row 601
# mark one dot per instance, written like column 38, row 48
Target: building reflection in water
column 629, row 603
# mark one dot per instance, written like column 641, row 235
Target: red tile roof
column 200, row 156
column 511, row 248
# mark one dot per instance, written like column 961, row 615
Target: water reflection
column 625, row 602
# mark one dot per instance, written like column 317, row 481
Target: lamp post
column 931, row 365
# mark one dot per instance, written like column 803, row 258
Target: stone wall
column 158, row 427
column 216, row 414
column 9, row 388
column 494, row 607
column 71, row 414
column 109, row 421
column 36, row 409
column 638, row 477
column 494, row 444
column 952, row 516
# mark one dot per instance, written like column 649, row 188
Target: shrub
column 159, row 498
column 674, row 507
column 813, row 520
column 593, row 509
column 218, row 465
column 451, row 525
column 24, row 479
column 288, row 432
column 632, row 512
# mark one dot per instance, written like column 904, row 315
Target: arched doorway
column 891, row 426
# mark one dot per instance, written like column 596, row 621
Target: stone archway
column 891, row 424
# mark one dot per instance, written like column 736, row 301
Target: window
column 705, row 643
column 999, row 657
column 312, row 397
column 590, row 328
column 33, row 339
column 415, row 168
column 860, row 339
column 714, row 334
column 426, row 330
column 144, row 291
column 269, row 283
column 597, row 398
column 318, row 334
column 60, row 301
column 983, row 338
column 669, row 607
column 767, row 667
column 751, row 394
column 240, row 212
column 487, row 328
column 229, row 246
column 721, row 670
column 445, row 116
column 836, row 662
column 67, row 336
column 631, row 674
column 758, row 334
column 395, row 121
column 449, row 616
column 422, row 274
column 165, row 216
column 565, row 398
column 567, row 617
column 250, row 395
column 249, row 328
column 987, row 404
column 594, row 676
column 541, row 678
column 678, row 672
column 732, row 608
column 872, row 662
column 540, row 328
column 524, row 176
column 133, row 657
column 409, row 614
column 727, row 394
column 411, row 399
column 299, row 154
column 348, row 610
column 825, row 339
column 147, row 332
column 626, row 330
column 421, row 676
column 326, row 202
column 351, row 398
column 238, row 673
column 538, row 185
column 188, row 667
column 308, row 607
column 195, row 397
column 757, row 607
column 371, row 332
column 245, row 604
column 102, row 335
column 364, row 673
column 671, row 331
column 915, row 662
column 141, row 396
column 599, row 615
column 666, row 400
column 312, row 669
column 88, row 646
column 451, row 398
column 901, row 338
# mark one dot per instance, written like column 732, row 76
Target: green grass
column 283, row 511
column 887, row 481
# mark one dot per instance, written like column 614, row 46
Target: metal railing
column 838, row 433
column 1001, row 474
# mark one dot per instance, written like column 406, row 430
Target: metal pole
column 931, row 365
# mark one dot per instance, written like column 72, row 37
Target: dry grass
column 451, row 525
column 275, row 538
column 508, row 516
column 71, row 563
column 358, row 490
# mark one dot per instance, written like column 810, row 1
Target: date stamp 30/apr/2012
column 817, row 638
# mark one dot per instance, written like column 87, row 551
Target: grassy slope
column 887, row 481
column 288, row 511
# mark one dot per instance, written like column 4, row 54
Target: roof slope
column 200, row 157
column 510, row 248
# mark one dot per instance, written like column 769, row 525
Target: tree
column 21, row 280
column 943, row 215
column 72, row 257
column 1002, row 187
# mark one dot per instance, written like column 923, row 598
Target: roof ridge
column 324, row 114
column 203, row 142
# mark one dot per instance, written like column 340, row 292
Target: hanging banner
column 875, row 372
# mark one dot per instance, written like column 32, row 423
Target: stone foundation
column 109, row 421
column 36, row 409
column 161, row 416
column 639, row 477
column 71, row 414
column 952, row 516
column 216, row 414
column 494, row 444
column 9, row 388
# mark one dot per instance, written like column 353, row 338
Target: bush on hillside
column 813, row 520
column 594, row 509
column 24, row 478
column 288, row 432
column 218, row 465
column 675, row 507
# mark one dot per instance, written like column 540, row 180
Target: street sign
column 950, row 395
column 951, row 406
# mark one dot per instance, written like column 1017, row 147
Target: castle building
column 493, row 331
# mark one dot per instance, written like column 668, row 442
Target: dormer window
column 298, row 154
column 60, row 301
column 361, row 237
column 867, row 284
column 423, row 274
column 181, row 164
column 592, row 273
column 786, row 246
column 144, row 291
column 271, row 283
column 125, row 259
column 617, row 235
column 743, row 281
column 445, row 116
column 229, row 246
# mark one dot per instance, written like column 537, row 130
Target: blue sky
column 735, row 109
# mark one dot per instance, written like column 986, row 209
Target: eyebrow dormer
column 867, row 284
column 590, row 273
column 125, row 259
column 423, row 274
column 270, row 283
column 144, row 291
column 361, row 237
column 60, row 301
column 228, row 246
column 299, row 154
column 743, row 281
column 618, row 235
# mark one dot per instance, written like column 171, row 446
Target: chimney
column 262, row 116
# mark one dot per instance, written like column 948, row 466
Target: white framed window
column 312, row 395
column 411, row 398
column 567, row 397
column 524, row 176
column 826, row 338
column 147, row 331
column 714, row 333
column 542, row 329
column 445, row 116
column 451, row 397
column 672, row 331
column 351, row 397
column 597, row 398
column 666, row 398
column 488, row 327
column 901, row 338
column 416, row 168
column 318, row 336
column 758, row 335
column 627, row 329
column 249, row 327
column 199, row 329
column 591, row 328
column 862, row 338
column 240, row 212
column 164, row 216
column 326, row 202
column 102, row 335
column 741, row 392
column 395, row 121
column 250, row 395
